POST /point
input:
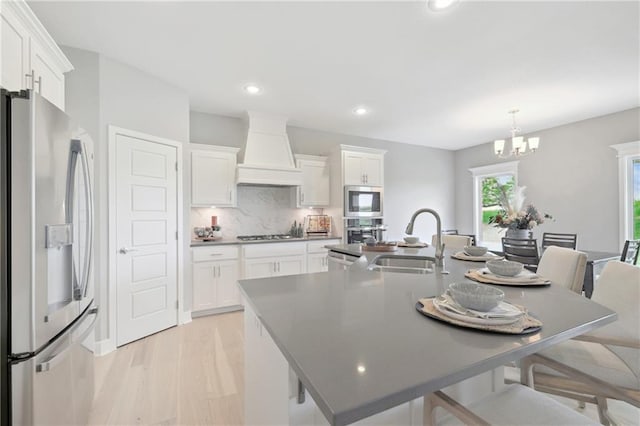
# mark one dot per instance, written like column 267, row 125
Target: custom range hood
column 267, row 155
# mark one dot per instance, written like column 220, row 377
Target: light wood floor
column 187, row 375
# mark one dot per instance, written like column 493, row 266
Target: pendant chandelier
column 518, row 143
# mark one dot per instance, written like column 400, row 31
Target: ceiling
column 440, row 79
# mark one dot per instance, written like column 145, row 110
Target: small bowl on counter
column 505, row 268
column 411, row 240
column 479, row 297
column 475, row 250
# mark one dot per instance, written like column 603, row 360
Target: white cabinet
column 213, row 176
column 314, row 191
column 317, row 255
column 266, row 376
column 273, row 259
column 30, row 58
column 363, row 167
column 215, row 277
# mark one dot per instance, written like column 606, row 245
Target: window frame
column 478, row 174
column 627, row 153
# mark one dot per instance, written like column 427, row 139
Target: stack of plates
column 504, row 313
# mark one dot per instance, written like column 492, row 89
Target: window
column 487, row 181
column 629, row 188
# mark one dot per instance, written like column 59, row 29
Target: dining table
column 358, row 345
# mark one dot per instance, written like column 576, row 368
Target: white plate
column 440, row 306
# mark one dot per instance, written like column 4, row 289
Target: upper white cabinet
column 362, row 166
column 314, row 191
column 213, row 176
column 30, row 58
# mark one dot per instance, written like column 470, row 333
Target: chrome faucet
column 439, row 246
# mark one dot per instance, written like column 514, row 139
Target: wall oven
column 362, row 201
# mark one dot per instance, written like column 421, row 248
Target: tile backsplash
column 261, row 210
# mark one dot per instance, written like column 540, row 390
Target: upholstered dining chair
column 561, row 240
column 563, row 266
column 453, row 242
column 630, row 252
column 602, row 364
column 513, row 405
column 521, row 250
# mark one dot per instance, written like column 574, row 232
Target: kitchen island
column 355, row 341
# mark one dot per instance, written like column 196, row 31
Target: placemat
column 464, row 256
column 525, row 325
column 416, row 245
column 489, row 278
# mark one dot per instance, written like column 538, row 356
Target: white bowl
column 480, row 297
column 475, row 250
column 506, row 268
column 411, row 240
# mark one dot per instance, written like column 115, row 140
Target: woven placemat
column 464, row 256
column 525, row 325
column 477, row 275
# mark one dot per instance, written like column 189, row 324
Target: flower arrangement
column 513, row 215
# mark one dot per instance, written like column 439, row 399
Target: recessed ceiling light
column 361, row 111
column 252, row 89
column 438, row 5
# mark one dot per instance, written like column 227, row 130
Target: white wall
column 415, row 176
column 102, row 92
column 573, row 177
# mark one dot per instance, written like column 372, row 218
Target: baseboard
column 215, row 311
column 185, row 317
column 104, row 347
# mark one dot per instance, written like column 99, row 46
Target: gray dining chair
column 561, row 240
column 630, row 252
column 524, row 251
column 604, row 363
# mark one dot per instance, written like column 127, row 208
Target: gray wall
column 102, row 92
column 415, row 176
column 573, row 176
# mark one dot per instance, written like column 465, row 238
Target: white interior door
column 146, row 237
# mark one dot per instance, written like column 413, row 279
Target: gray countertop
column 196, row 243
column 328, row 324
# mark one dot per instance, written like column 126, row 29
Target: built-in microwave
column 362, row 201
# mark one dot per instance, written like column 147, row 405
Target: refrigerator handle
column 51, row 363
column 74, row 151
column 90, row 225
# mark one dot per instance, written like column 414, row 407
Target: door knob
column 125, row 250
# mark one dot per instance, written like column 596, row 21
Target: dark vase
column 522, row 234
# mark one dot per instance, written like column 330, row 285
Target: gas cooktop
column 264, row 237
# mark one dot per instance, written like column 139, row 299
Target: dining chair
column 521, row 250
column 513, row 405
column 454, row 242
column 563, row 266
column 561, row 240
column 604, row 363
column 630, row 252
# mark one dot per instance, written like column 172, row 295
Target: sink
column 405, row 264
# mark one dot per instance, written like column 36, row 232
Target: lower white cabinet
column 215, row 282
column 317, row 255
column 274, row 259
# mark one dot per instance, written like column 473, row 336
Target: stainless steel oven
column 362, row 201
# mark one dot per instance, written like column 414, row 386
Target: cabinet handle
column 216, row 254
column 366, row 178
column 278, row 266
column 39, row 83
column 229, row 195
column 218, row 271
column 302, row 197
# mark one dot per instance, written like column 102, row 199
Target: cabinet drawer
column 208, row 254
column 319, row 246
column 273, row 249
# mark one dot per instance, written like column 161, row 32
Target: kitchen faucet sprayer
column 439, row 246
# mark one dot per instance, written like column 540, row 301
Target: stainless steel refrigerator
column 46, row 288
